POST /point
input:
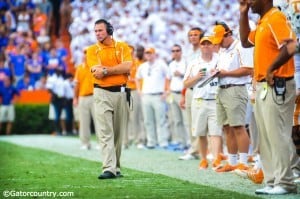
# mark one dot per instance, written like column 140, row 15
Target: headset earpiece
column 109, row 28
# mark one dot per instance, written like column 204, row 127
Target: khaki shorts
column 204, row 118
column 232, row 106
column 7, row 113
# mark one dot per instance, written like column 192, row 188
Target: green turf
column 32, row 170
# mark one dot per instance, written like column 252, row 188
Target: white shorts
column 7, row 113
column 204, row 118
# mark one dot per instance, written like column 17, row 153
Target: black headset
column 109, row 27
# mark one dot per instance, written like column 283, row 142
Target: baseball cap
column 220, row 29
column 207, row 38
column 150, row 50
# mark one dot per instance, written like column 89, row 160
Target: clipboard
column 208, row 79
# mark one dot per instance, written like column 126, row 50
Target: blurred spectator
column 177, row 68
column 47, row 8
column 34, row 66
column 83, row 100
column 65, row 16
column 23, row 18
column 4, row 72
column 54, row 62
column 41, row 83
column 68, row 102
column 7, row 109
column 17, row 62
column 155, row 88
column 25, row 83
column 43, row 37
column 39, row 21
column 135, row 134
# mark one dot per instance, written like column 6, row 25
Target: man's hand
column 244, row 6
column 222, row 73
column 269, row 78
column 182, row 102
column 97, row 71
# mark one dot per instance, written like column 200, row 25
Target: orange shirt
column 109, row 56
column 268, row 38
column 131, row 82
column 39, row 21
column 84, row 79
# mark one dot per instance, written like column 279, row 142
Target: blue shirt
column 7, row 94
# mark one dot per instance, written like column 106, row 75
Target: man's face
column 100, row 31
column 194, row 37
column 206, row 47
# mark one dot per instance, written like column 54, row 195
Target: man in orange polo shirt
column 109, row 61
column 83, row 98
column 275, row 92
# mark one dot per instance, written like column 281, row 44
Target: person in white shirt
column 204, row 119
column 156, row 80
column 235, row 66
column 55, row 84
column 194, row 36
column 177, row 70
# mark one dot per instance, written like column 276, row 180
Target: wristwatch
column 104, row 71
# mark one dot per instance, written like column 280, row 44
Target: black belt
column 286, row 79
column 86, row 95
column 177, row 92
column 120, row 88
column 230, row 85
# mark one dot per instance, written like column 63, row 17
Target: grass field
column 33, row 170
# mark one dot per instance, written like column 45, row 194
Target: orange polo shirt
column 83, row 77
column 109, row 56
column 135, row 64
column 268, row 38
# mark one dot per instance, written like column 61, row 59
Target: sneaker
column 187, row 157
column 217, row 162
column 229, row 168
column 278, row 190
column 256, row 176
column 242, row 167
column 263, row 190
column 225, row 168
column 203, row 164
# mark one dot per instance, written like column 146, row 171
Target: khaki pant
column 111, row 119
column 274, row 121
column 85, row 114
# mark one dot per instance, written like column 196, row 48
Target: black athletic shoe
column 119, row 175
column 106, row 175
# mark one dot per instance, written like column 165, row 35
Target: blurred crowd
column 159, row 23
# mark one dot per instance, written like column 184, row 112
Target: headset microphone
column 104, row 39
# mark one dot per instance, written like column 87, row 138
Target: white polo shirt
column 208, row 91
column 154, row 76
column 233, row 58
column 176, row 81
